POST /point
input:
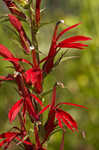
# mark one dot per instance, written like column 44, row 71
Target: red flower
column 72, row 42
column 37, row 12
column 10, row 136
column 14, row 9
column 32, row 76
column 61, row 115
column 19, row 78
column 25, row 42
column 27, row 106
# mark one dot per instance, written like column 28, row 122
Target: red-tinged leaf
column 37, row 99
column 76, row 38
column 15, row 109
column 72, row 45
column 4, row 52
column 71, row 104
column 18, row 59
column 15, row 22
column 67, row 29
column 44, row 109
column 59, row 120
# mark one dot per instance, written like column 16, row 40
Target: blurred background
column 80, row 76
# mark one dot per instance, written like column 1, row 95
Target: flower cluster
column 31, row 100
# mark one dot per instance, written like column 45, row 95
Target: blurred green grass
column 80, row 76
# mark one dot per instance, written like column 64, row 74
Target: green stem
column 34, row 30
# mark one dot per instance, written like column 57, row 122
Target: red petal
column 7, row 135
column 44, row 109
column 72, row 45
column 71, row 105
column 59, row 120
column 4, row 52
column 67, row 29
column 15, row 109
column 3, row 142
column 75, row 39
column 67, row 124
column 37, row 99
column 69, row 120
column 18, row 59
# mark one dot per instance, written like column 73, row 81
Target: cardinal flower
column 27, row 106
column 33, row 76
column 14, row 9
column 25, row 42
column 63, row 117
column 18, row 77
column 71, row 42
column 8, row 137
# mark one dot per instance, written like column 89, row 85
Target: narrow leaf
column 15, row 109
